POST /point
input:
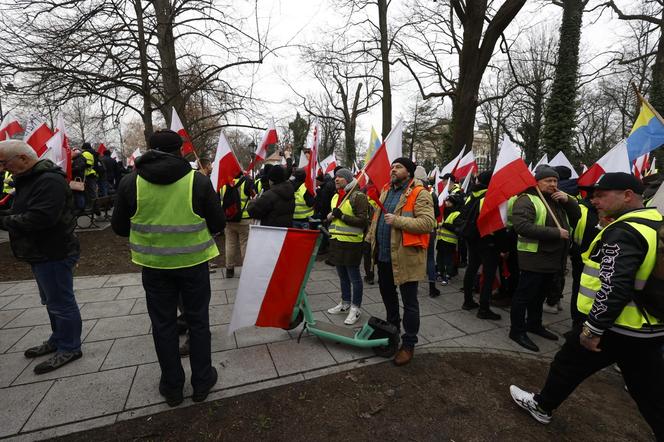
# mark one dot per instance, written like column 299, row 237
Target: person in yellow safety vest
column 304, row 201
column 170, row 213
column 617, row 264
column 542, row 250
column 448, row 239
column 90, row 175
column 585, row 230
column 348, row 220
column 237, row 230
column 399, row 241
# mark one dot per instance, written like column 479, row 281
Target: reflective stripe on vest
column 631, row 317
column 302, row 211
column 413, row 239
column 580, row 228
column 341, row 231
column 7, row 177
column 445, row 234
column 243, row 198
column 165, row 231
column 528, row 244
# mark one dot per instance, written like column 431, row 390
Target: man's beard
column 395, row 179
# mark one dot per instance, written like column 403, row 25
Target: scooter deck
column 328, row 327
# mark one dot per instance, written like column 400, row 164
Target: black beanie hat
column 485, row 177
column 165, row 140
column 564, row 172
column 408, row 164
column 277, row 174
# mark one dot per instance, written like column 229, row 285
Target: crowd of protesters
column 402, row 233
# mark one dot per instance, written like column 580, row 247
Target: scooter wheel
column 389, row 350
column 298, row 320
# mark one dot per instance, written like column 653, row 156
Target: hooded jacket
column 164, row 168
column 275, row 207
column 41, row 221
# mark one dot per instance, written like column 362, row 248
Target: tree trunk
column 349, row 142
column 657, row 85
column 169, row 70
column 560, row 114
column 385, row 62
column 146, row 116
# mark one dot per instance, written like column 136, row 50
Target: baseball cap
column 618, row 181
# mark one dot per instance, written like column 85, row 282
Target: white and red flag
column 448, row 168
column 312, row 167
column 101, row 149
column 615, row 160
column 302, row 161
column 57, row 148
column 133, row 157
column 328, row 164
column 561, row 160
column 510, row 177
column 9, row 127
column 467, row 165
column 641, row 165
column 225, row 166
column 380, row 164
column 275, row 265
column 38, row 137
column 269, row 138
column 543, row 160
column 177, row 126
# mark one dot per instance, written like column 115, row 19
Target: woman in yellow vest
column 348, row 219
column 448, row 240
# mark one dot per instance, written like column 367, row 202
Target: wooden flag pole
column 647, row 103
column 548, row 208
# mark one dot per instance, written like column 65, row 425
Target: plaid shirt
column 384, row 230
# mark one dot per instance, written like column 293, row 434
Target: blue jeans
column 431, row 258
column 350, row 275
column 55, row 280
column 298, row 224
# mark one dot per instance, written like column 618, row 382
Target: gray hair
column 17, row 147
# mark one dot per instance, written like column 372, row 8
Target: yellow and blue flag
column 374, row 144
column 647, row 133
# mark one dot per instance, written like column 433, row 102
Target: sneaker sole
column 535, row 416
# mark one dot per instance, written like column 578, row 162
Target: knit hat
column 165, row 140
column 299, row 174
column 564, row 172
column 345, row 174
column 484, row 177
column 421, row 174
column 545, row 171
column 407, row 163
column 277, row 174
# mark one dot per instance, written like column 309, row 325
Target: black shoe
column 56, row 361
column 488, row 314
column 40, row 350
column 546, row 334
column 524, row 341
column 434, row 293
column 173, row 398
column 230, row 273
column 470, row 305
column 201, row 395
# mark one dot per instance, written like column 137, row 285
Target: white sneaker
column 353, row 315
column 553, row 309
column 339, row 308
column 526, row 401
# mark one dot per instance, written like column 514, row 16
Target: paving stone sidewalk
column 118, row 376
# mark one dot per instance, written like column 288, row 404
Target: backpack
column 232, row 202
column 465, row 224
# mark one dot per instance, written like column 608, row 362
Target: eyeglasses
column 4, row 162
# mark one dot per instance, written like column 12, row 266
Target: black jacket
column 164, row 168
column 111, row 168
column 41, row 223
column 274, row 207
column 324, row 197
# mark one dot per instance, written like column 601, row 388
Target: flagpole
column 644, row 101
column 548, row 208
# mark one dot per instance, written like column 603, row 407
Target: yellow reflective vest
column 302, row 211
column 341, row 231
column 447, row 235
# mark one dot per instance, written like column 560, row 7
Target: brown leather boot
column 403, row 356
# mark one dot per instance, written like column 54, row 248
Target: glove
column 337, row 213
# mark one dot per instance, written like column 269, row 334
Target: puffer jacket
column 275, row 207
column 41, row 221
column 408, row 263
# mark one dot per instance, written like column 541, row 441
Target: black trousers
column 411, row 306
column 488, row 258
column 640, row 361
column 162, row 290
column 529, row 299
column 445, row 258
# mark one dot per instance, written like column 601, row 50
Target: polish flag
column 448, row 168
column 378, row 167
column 269, row 138
column 9, row 127
column 225, row 166
column 101, row 149
column 543, row 160
column 312, row 167
column 38, row 137
column 442, row 196
column 434, row 173
column 466, row 166
column 327, row 165
column 615, row 160
column 115, row 155
column 57, row 148
column 510, row 177
column 133, row 157
column 641, row 165
column 561, row 160
column 273, row 273
column 466, row 183
column 303, row 161
column 177, row 126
